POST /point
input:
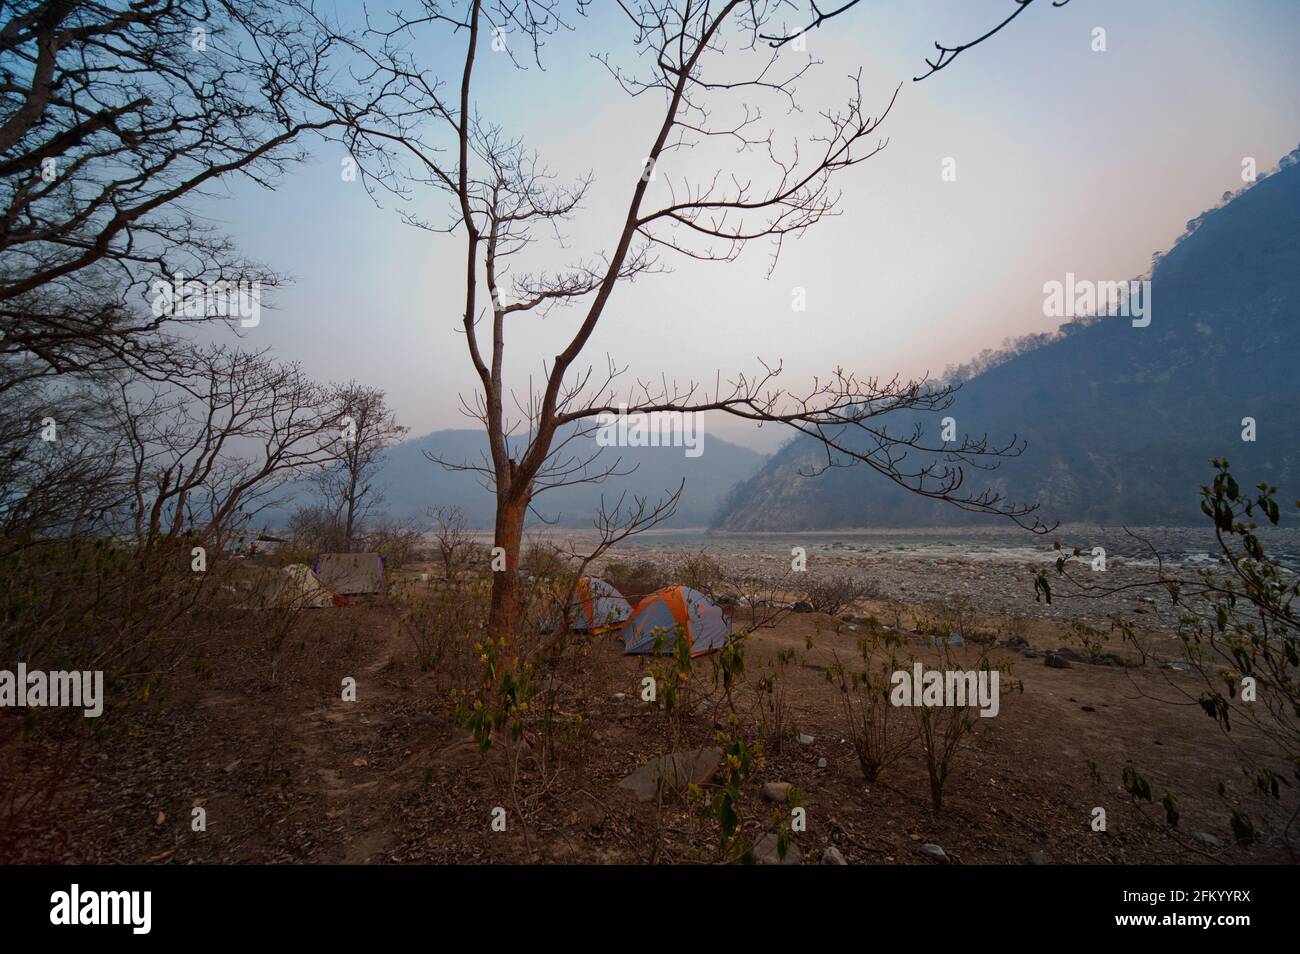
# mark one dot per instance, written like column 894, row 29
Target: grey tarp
column 351, row 573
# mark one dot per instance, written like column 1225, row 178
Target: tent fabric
column 705, row 625
column 351, row 574
column 295, row 586
column 597, row 606
column 302, row 588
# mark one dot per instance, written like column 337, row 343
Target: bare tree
column 451, row 535
column 112, row 115
column 314, row 527
column 347, row 486
column 61, row 462
column 209, row 450
column 504, row 201
column 816, row 16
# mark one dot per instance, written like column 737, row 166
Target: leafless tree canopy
column 113, row 117
column 814, row 16
column 347, row 487
column 452, row 537
column 208, row 451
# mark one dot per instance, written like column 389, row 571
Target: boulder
column 675, row 771
column 1205, row 838
column 766, row 852
column 934, row 852
column 1056, row 661
column 832, row 856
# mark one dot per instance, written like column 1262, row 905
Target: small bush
column 865, row 704
column 832, row 595
column 634, row 579
column 440, row 619
column 544, row 561
column 399, row 541
column 1090, row 639
column 700, row 572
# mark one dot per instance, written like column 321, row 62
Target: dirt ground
column 288, row 772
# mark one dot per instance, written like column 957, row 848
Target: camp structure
column 351, row 574
column 597, row 606
column 301, row 588
column 656, row 617
column 291, row 587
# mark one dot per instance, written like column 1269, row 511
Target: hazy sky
column 1067, row 160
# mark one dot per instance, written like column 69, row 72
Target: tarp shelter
column 351, row 573
column 298, row 586
column 597, row 606
column 655, row 618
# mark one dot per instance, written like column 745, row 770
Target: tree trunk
column 350, row 502
column 504, row 616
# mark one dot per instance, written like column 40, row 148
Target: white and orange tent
column 597, row 606
column 654, row 623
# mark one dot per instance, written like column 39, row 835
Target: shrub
column 399, row 541
column 544, row 561
column 1090, row 639
column 833, row 594
column 700, row 572
column 943, row 730
column 773, row 715
column 452, row 539
column 865, row 704
column 438, row 619
column 634, row 579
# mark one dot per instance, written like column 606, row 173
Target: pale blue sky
column 1067, row 160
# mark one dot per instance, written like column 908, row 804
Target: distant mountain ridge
column 1120, row 421
column 412, row 483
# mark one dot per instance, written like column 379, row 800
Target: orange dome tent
column 597, row 606
column 656, row 617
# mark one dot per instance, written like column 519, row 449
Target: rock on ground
column 676, row 771
column 933, row 851
column 765, row 852
column 776, row 791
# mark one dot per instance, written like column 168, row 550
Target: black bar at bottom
column 364, row 903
